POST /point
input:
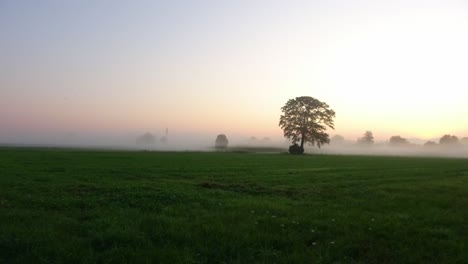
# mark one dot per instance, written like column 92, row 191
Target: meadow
column 96, row 206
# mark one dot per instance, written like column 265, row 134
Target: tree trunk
column 302, row 140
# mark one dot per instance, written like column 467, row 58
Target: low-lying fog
column 203, row 142
column 384, row 149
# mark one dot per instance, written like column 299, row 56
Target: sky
column 108, row 68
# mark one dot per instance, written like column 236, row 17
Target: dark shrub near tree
column 295, row 149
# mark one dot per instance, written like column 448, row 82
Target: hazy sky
column 393, row 67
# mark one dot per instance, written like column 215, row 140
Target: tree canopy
column 367, row 138
column 430, row 144
column 448, row 140
column 398, row 141
column 221, row 142
column 464, row 140
column 337, row 140
column 305, row 120
column 146, row 139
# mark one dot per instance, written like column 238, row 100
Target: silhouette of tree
column 146, row 139
column 337, row 140
column 464, row 140
column 221, row 142
column 448, row 140
column 398, row 141
column 367, row 138
column 430, row 144
column 305, row 119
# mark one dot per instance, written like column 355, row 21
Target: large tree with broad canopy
column 305, row 120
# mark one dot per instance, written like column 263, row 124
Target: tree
column 146, row 139
column 398, row 141
column 221, row 142
column 337, row 140
column 464, row 140
column 367, row 138
column 430, row 144
column 305, row 120
column 448, row 140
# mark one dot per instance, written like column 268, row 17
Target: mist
column 159, row 140
column 75, row 76
column 383, row 149
column 193, row 141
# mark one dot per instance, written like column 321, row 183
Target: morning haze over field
column 247, row 131
column 106, row 72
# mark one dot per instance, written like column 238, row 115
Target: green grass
column 68, row 206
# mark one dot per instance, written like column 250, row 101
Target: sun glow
column 392, row 67
column 404, row 72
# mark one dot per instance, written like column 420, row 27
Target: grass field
column 70, row 206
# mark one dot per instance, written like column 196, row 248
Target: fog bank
column 458, row 151
column 177, row 141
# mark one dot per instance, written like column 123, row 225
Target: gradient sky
column 209, row 67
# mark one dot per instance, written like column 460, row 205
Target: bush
column 296, row 149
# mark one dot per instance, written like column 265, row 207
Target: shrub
column 296, row 149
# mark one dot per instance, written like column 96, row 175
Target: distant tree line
column 305, row 120
column 148, row 139
column 397, row 141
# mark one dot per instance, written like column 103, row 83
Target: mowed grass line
column 59, row 205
